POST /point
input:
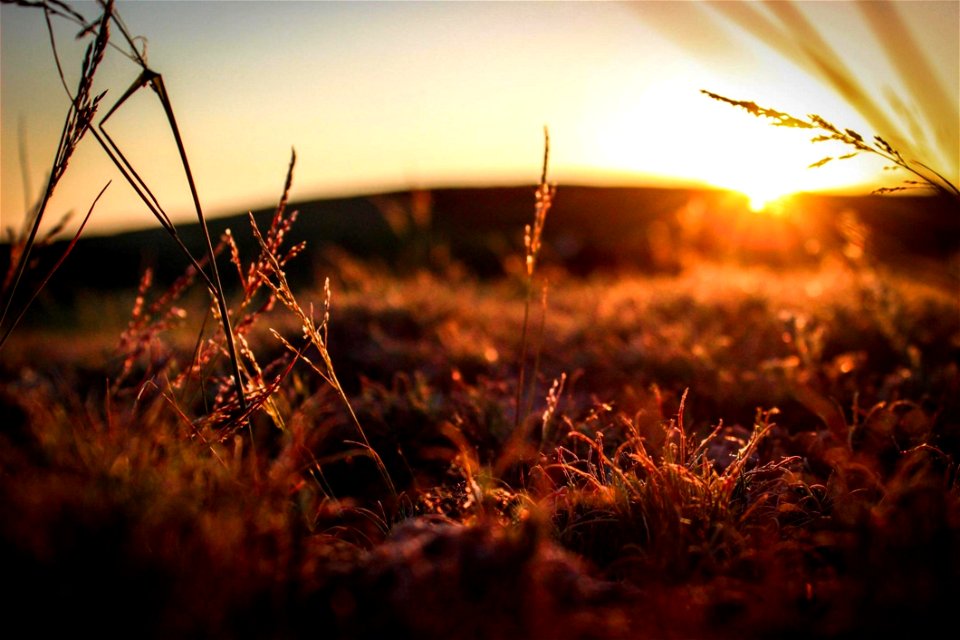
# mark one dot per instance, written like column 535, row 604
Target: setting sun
column 724, row 148
column 761, row 201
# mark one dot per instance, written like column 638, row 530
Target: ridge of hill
column 588, row 228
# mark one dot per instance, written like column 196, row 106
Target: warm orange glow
column 762, row 200
column 371, row 107
column 781, row 228
column 721, row 148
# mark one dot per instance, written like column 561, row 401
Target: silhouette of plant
column 83, row 108
column 927, row 176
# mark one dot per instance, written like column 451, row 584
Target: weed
column 926, row 176
column 532, row 241
column 79, row 120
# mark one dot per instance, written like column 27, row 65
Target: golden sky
column 387, row 96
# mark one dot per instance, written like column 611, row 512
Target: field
column 711, row 445
column 513, row 412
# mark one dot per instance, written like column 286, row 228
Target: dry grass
column 924, row 175
column 15, row 301
column 731, row 451
column 643, row 511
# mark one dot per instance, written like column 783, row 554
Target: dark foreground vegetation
column 716, row 449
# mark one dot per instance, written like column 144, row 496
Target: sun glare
column 760, row 202
column 767, row 197
column 720, row 148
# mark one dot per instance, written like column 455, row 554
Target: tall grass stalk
column 78, row 121
column 269, row 271
column 784, row 28
column 538, row 348
column 532, row 239
column 927, row 176
column 154, row 80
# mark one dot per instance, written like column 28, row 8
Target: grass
column 928, row 130
column 727, row 450
column 924, row 175
column 621, row 509
column 14, row 299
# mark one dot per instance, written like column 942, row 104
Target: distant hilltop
column 588, row 228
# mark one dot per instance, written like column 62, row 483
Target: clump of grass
column 662, row 513
column 264, row 287
column 315, row 334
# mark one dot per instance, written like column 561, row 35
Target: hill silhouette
column 589, row 228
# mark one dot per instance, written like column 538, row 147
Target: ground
column 709, row 446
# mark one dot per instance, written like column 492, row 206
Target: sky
column 380, row 97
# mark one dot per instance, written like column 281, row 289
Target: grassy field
column 726, row 449
column 670, row 419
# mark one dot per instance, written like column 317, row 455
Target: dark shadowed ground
column 733, row 425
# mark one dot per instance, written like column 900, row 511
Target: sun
column 718, row 148
column 757, row 203
column 767, row 169
column 764, row 199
